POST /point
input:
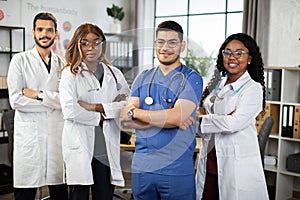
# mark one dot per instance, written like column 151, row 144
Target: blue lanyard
column 213, row 98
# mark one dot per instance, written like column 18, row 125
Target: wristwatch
column 40, row 96
column 130, row 113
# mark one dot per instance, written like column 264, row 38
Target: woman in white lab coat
column 230, row 165
column 92, row 93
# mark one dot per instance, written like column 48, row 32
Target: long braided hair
column 255, row 68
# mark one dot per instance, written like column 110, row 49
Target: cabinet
column 12, row 41
column 122, row 52
column 283, row 184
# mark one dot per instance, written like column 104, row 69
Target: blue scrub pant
column 149, row 186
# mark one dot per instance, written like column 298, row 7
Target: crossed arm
column 178, row 116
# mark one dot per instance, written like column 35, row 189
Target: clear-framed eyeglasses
column 236, row 54
column 159, row 43
column 85, row 44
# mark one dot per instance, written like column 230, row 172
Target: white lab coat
column 79, row 133
column 240, row 171
column 38, row 124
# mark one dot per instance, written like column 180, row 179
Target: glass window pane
column 234, row 23
column 171, row 7
column 207, row 6
column 208, row 31
column 235, row 5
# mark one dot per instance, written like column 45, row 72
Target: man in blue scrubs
column 161, row 109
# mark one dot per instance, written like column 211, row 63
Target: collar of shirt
column 238, row 84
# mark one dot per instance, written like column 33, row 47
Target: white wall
column 22, row 12
column 284, row 33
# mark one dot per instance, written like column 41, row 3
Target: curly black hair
column 255, row 68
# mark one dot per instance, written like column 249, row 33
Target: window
column 206, row 23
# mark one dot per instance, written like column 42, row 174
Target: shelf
column 294, row 68
column 270, row 168
column 273, row 136
column 285, row 172
column 122, row 52
column 282, row 86
column 290, row 139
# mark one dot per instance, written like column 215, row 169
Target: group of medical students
column 69, row 111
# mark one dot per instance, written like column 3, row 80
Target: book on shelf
column 296, row 127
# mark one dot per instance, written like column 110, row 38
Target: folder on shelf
column 296, row 133
column 4, row 82
column 285, row 110
column 271, row 110
column 287, row 121
column 291, row 121
column 273, row 85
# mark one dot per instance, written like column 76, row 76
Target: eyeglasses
column 87, row 43
column 171, row 43
column 236, row 54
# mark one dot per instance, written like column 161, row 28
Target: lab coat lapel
column 108, row 86
column 92, row 81
column 39, row 62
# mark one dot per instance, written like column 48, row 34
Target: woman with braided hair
column 230, row 166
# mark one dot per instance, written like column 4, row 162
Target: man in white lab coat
column 33, row 80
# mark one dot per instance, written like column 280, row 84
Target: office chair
column 263, row 135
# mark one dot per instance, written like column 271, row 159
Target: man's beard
column 42, row 46
column 169, row 62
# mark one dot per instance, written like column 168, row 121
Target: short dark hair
column 45, row 16
column 170, row 26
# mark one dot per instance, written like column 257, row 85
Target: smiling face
column 235, row 59
column 44, row 33
column 168, row 48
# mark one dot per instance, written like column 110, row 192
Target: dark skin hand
column 29, row 93
column 99, row 107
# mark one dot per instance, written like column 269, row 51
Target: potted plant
column 199, row 64
column 117, row 14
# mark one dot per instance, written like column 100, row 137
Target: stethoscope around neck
column 118, row 85
column 149, row 100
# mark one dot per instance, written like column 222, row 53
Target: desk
column 131, row 146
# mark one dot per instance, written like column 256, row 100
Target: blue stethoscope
column 149, row 100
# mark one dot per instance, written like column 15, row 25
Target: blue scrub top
column 166, row 150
